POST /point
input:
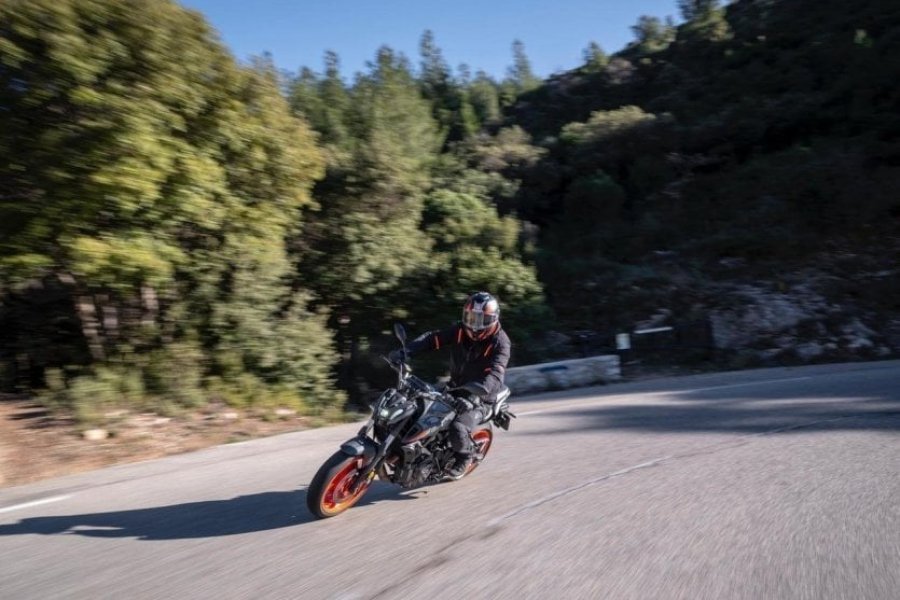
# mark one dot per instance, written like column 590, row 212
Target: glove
column 463, row 401
column 398, row 356
column 464, row 405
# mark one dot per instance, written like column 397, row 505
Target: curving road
column 777, row 483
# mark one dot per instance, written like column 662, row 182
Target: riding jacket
column 481, row 362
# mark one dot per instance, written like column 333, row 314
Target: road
column 777, row 483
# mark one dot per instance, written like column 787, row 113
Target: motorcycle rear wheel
column 331, row 491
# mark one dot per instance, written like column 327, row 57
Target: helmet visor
column 476, row 320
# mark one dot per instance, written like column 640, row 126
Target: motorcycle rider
column 479, row 355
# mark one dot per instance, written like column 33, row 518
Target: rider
column 479, row 354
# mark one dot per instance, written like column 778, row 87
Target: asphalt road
column 779, row 483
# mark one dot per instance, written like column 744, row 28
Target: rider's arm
column 434, row 340
column 492, row 380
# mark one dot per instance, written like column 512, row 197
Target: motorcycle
column 404, row 442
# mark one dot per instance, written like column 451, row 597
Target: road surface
column 777, row 483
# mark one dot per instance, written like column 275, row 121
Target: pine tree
column 595, row 59
column 652, row 35
column 704, row 21
column 520, row 73
column 697, row 9
column 451, row 107
column 358, row 248
column 434, row 72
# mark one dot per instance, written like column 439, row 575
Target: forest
column 178, row 227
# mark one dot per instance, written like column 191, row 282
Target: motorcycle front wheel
column 331, row 491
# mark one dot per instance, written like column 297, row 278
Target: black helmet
column 481, row 316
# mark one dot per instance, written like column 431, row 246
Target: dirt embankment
column 35, row 444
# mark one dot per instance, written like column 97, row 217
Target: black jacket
column 472, row 361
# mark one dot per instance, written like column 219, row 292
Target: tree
column 434, row 72
column 336, row 126
column 697, row 9
column 324, row 102
column 160, row 177
column 451, row 107
column 604, row 125
column 485, row 99
column 520, row 73
column 358, row 248
column 510, row 152
column 304, row 98
column 704, row 21
column 652, row 35
column 398, row 134
column 595, row 59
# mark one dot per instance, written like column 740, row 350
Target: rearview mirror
column 400, row 332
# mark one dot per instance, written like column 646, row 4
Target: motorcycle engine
column 418, row 465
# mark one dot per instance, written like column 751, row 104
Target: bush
column 249, row 392
column 89, row 397
column 174, row 374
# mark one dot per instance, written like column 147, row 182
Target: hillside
column 742, row 168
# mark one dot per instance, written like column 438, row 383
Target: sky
column 478, row 33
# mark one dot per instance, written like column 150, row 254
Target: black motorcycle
column 404, row 442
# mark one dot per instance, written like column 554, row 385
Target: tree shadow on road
column 797, row 404
column 210, row 518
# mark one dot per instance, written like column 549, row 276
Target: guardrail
column 564, row 374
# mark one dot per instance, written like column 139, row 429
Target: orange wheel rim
column 339, row 495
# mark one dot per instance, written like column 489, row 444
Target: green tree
column 704, row 21
column 336, row 131
column 451, row 107
column 697, row 9
column 305, row 99
column 485, row 99
column 520, row 74
column 434, row 72
column 142, row 168
column 509, row 152
column 605, row 124
column 364, row 241
column 652, row 35
column 595, row 59
column 325, row 103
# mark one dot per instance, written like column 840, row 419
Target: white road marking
column 575, row 488
column 742, row 440
column 533, row 412
column 34, row 503
column 736, row 385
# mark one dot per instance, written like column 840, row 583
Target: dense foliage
column 177, row 228
column 759, row 133
column 149, row 186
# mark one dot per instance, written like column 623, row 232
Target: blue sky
column 478, row 33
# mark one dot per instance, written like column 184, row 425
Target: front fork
column 363, row 445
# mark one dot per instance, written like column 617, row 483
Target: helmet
column 481, row 316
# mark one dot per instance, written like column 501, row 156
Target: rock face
column 797, row 324
column 757, row 312
column 563, row 374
